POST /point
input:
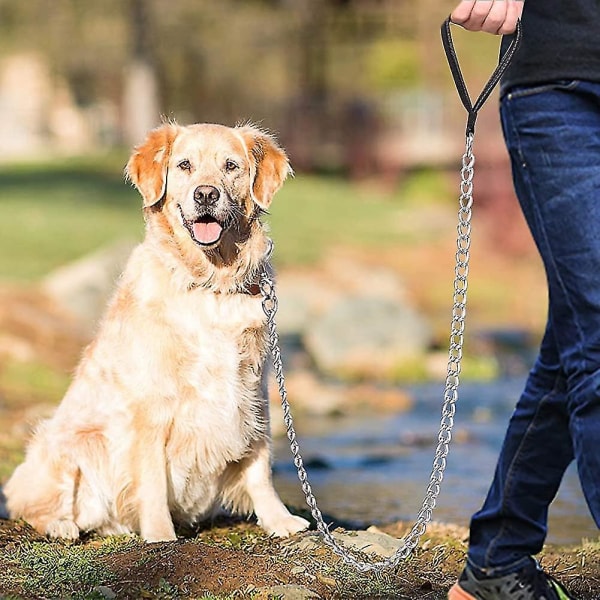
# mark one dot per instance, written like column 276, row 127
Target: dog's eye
column 185, row 165
column 231, row 166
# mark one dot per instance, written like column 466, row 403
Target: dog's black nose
column 206, row 195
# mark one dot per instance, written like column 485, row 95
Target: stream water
column 375, row 469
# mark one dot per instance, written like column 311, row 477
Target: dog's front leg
column 270, row 511
column 151, row 484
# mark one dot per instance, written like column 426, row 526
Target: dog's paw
column 159, row 534
column 62, row 528
column 284, row 525
column 114, row 528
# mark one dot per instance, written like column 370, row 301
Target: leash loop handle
column 459, row 82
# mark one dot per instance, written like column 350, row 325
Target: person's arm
column 492, row 16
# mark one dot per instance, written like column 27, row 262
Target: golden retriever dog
column 166, row 421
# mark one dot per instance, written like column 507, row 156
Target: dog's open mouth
column 205, row 230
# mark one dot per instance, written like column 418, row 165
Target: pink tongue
column 207, row 233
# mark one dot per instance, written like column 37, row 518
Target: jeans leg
column 537, row 449
column 553, row 136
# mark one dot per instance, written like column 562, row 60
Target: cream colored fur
column 166, row 420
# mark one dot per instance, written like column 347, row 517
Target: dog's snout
column 206, row 195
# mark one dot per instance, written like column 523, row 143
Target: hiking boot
column 530, row 583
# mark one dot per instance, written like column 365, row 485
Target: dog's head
column 209, row 181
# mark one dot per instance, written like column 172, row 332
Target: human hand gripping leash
column 457, row 328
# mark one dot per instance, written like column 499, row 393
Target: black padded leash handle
column 503, row 63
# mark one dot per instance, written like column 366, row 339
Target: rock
column 353, row 317
column 83, row 287
column 367, row 337
column 296, row 305
column 310, row 394
column 328, row 581
column 306, row 543
column 285, row 592
column 33, row 328
column 371, row 541
column 380, row 398
column 298, row 570
column 306, row 293
column 105, row 592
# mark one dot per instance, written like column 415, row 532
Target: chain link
column 461, row 272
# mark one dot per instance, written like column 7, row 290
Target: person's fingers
column 472, row 13
column 496, row 16
column 462, row 12
column 513, row 14
column 491, row 16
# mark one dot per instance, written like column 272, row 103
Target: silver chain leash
column 461, row 271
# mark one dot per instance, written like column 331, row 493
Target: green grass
column 33, row 380
column 62, row 570
column 57, row 211
column 311, row 214
column 11, row 454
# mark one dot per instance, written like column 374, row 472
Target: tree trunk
column 141, row 103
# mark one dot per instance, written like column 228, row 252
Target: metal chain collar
column 461, row 271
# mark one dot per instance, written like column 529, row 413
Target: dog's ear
column 269, row 164
column 147, row 166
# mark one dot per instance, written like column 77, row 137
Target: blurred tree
column 141, row 106
column 311, row 69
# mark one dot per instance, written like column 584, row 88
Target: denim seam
column 585, row 473
column 516, row 459
column 526, row 91
column 548, row 246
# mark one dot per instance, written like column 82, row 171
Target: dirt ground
column 234, row 559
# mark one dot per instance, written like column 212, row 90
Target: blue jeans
column 553, row 136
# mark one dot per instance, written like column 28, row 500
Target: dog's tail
column 3, row 508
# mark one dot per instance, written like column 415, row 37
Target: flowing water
column 375, row 469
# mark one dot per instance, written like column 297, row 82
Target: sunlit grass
column 56, row 212
column 42, row 381
column 62, row 571
column 312, row 214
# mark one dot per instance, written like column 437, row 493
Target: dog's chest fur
column 201, row 386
